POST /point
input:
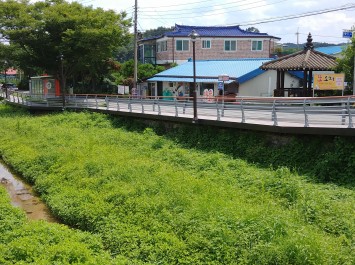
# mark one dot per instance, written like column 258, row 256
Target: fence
column 325, row 112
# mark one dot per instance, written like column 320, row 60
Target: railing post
column 87, row 101
column 343, row 113
column 242, row 110
column 176, row 108
column 218, row 112
column 306, row 124
column 222, row 112
column 107, row 101
column 159, row 110
column 118, row 105
column 142, row 105
column 153, row 104
column 350, row 114
column 97, row 104
column 184, row 108
column 130, row 104
column 274, row 115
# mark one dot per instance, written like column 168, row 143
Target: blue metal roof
column 250, row 75
column 298, row 74
column 208, row 31
column 209, row 70
column 212, row 31
column 330, row 50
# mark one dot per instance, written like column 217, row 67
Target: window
column 206, row 44
column 162, row 46
column 230, row 45
column 257, row 45
column 182, row 45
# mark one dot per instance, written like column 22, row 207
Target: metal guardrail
column 327, row 112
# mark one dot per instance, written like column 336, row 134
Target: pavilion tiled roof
column 308, row 59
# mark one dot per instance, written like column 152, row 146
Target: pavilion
column 308, row 60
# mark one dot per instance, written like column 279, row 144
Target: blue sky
column 326, row 27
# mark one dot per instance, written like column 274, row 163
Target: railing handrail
column 333, row 111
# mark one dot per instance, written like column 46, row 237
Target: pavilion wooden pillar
column 310, row 77
column 278, row 80
column 283, row 81
column 305, row 82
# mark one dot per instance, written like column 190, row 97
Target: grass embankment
column 153, row 201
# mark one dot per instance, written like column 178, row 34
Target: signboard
column 347, row 34
column 223, row 77
column 328, row 81
column 220, row 85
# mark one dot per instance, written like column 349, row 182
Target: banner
column 328, row 81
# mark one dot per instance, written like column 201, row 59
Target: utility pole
column 135, row 46
column 298, row 34
column 353, row 44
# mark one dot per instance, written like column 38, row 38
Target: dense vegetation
column 38, row 243
column 183, row 198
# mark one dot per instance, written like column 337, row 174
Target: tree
column 53, row 34
column 157, row 32
column 125, row 52
column 252, row 29
column 346, row 63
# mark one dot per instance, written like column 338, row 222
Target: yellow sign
column 328, row 81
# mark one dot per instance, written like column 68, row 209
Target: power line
column 178, row 15
column 221, row 7
column 307, row 14
column 191, row 3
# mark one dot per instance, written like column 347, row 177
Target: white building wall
column 264, row 84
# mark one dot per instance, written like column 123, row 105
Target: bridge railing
column 307, row 111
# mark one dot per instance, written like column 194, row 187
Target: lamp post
column 5, row 82
column 193, row 35
column 62, row 80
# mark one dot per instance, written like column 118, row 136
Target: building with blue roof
column 213, row 43
column 335, row 51
column 245, row 79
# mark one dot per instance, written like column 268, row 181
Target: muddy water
column 22, row 196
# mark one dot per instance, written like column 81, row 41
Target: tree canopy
column 53, row 34
column 156, row 32
column 346, row 63
column 252, row 29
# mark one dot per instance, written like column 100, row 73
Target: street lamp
column 62, row 79
column 193, row 35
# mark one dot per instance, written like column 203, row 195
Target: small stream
column 23, row 196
